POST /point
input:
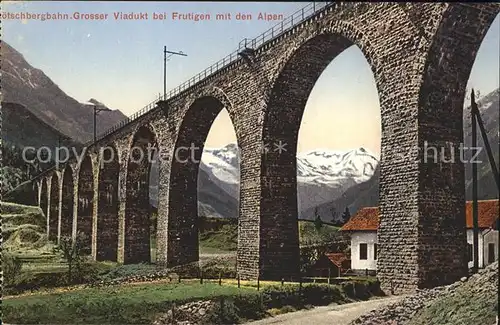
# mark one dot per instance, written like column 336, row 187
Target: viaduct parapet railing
column 271, row 34
column 288, row 24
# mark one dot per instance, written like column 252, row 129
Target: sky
column 120, row 63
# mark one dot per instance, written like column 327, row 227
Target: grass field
column 135, row 303
column 26, row 239
column 125, row 304
column 141, row 303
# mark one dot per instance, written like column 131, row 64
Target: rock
column 401, row 312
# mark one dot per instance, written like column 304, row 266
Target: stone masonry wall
column 54, row 207
column 44, row 196
column 85, row 202
column 441, row 239
column 67, row 202
column 138, row 209
column 107, row 209
column 420, row 56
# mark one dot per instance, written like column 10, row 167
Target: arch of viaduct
column 421, row 56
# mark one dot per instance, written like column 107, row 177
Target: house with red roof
column 363, row 227
column 331, row 265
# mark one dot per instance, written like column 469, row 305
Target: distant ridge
column 32, row 88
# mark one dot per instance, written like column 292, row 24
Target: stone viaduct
column 421, row 56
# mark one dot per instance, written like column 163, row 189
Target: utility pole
column 97, row 109
column 476, row 118
column 165, row 52
column 484, row 136
column 475, row 223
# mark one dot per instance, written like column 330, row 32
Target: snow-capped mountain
column 318, row 166
column 222, row 168
column 322, row 175
column 330, row 167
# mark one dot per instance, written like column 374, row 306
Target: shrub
column 73, row 252
column 213, row 269
column 128, row 270
column 225, row 313
column 191, row 270
column 292, row 295
column 35, row 281
column 277, row 296
column 87, row 271
column 250, row 306
column 348, row 289
column 319, row 295
column 11, row 266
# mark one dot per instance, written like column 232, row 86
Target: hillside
column 468, row 301
column 356, row 197
column 25, row 85
column 23, row 229
column 21, row 128
column 37, row 113
column 34, row 131
column 222, row 233
column 474, row 301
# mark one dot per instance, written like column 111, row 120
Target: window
column 375, row 251
column 469, row 252
column 491, row 253
column 363, row 251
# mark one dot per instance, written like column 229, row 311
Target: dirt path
column 328, row 315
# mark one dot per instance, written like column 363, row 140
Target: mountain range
column 321, row 176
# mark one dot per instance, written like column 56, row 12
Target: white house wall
column 481, row 251
column 370, row 238
column 490, row 237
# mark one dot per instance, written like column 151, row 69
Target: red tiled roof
column 488, row 213
column 367, row 219
column 364, row 219
column 337, row 258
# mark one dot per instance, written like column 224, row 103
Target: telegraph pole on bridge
column 165, row 52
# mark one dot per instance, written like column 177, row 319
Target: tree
column 318, row 223
column 73, row 252
column 308, row 257
column 333, row 211
column 346, row 215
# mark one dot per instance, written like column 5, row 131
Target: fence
column 277, row 30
